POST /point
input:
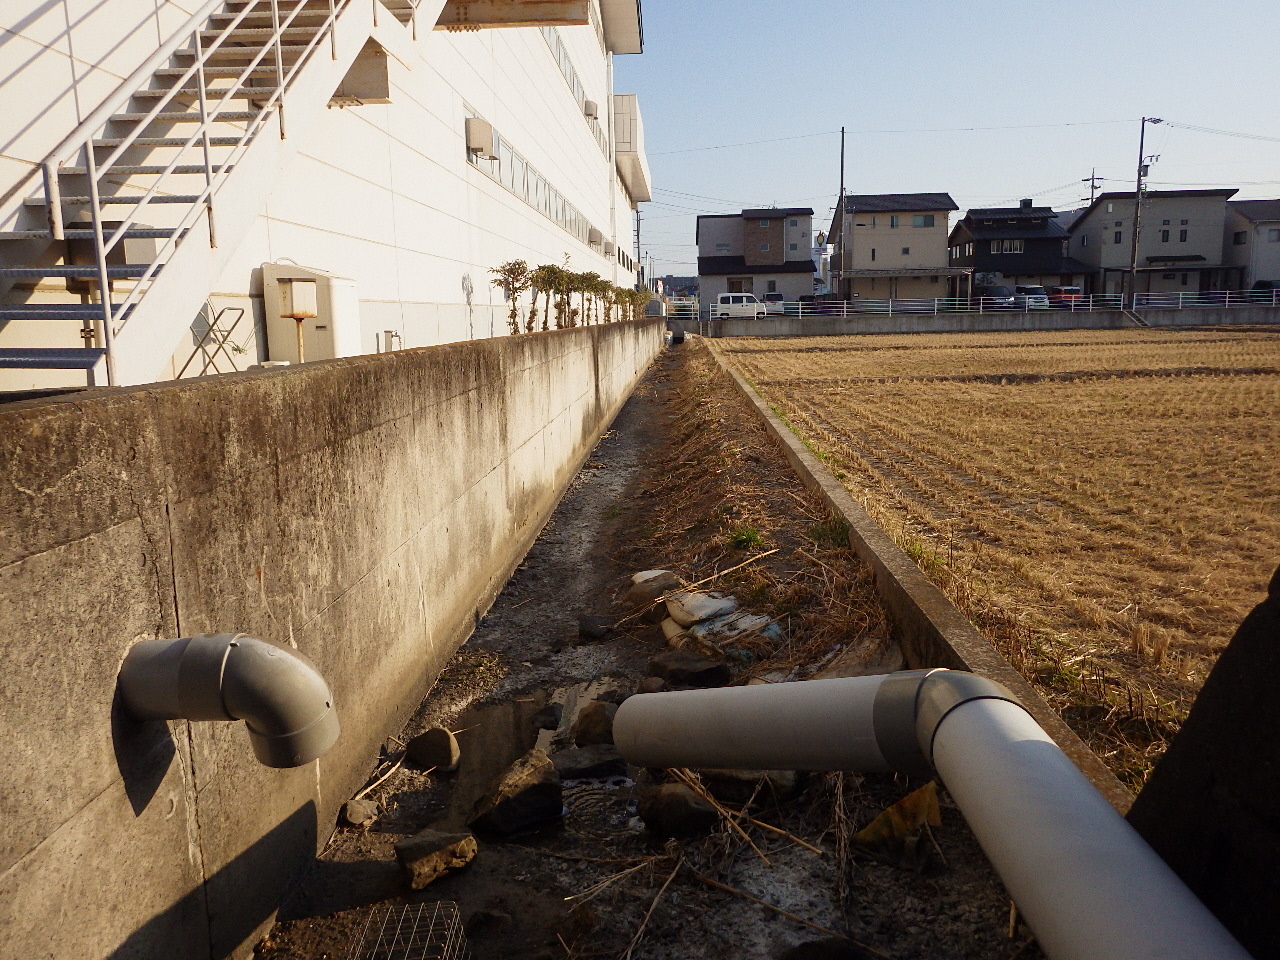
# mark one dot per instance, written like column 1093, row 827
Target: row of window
column 790, row 223
column 906, row 252
column 1241, row 237
column 895, row 221
column 724, row 248
column 575, row 84
column 515, row 173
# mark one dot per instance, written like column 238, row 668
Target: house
column 1180, row 246
column 1253, row 239
column 425, row 144
column 1012, row 245
column 891, row 246
column 756, row 251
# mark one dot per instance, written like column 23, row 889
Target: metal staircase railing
column 234, row 68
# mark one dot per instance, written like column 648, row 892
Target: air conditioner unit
column 480, row 139
column 590, row 109
column 594, row 236
column 609, row 248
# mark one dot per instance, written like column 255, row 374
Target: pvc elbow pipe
column 1089, row 886
column 285, row 703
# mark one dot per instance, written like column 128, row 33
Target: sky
column 988, row 100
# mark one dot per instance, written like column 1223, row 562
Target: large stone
column 594, row 723
column 430, row 854
column 1209, row 807
column 683, row 668
column 693, row 607
column 359, row 813
column 645, row 593
column 436, row 748
column 596, row 762
column 651, row 685
column 528, row 796
column 674, row 810
column 739, row 786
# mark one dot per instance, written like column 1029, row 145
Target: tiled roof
column 773, row 213
column 1256, row 210
column 1018, row 230
column 1009, row 213
column 898, row 202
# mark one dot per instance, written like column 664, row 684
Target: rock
column 594, row 723
column 596, row 762
column 738, row 786
column 687, row 609
column 430, row 854
column 654, row 584
column 548, row 718
column 613, row 696
column 526, row 797
column 830, row 948
column 436, row 748
column 651, row 685
column 687, row 669
column 359, row 812
column 674, row 810
column 674, row 633
column 593, row 629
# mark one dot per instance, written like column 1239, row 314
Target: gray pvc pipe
column 285, row 703
column 1086, row 882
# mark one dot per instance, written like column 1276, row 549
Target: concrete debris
column 687, row 609
column 735, row 625
column 594, row 723
column 651, row 685
column 596, row 762
column 437, row 748
column 674, row 633
column 430, row 854
column 593, row 628
column 548, row 718
column 674, row 810
column 359, row 813
column 683, row 668
column 654, row 584
column 738, row 786
column 526, row 797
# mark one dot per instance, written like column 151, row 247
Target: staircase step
column 124, row 272
column 246, row 53
column 217, row 71
column 145, row 169
column 117, row 198
column 134, row 233
column 193, row 92
column 187, row 117
column 50, row 358
column 51, row 311
column 166, row 142
column 249, row 33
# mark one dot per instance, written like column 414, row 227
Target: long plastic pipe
column 284, row 701
column 1086, row 882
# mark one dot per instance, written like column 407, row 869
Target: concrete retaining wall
column 366, row 510
column 776, row 326
column 928, row 628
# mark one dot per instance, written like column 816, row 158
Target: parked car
column 992, row 297
column 1064, row 297
column 1265, row 291
column 1030, row 297
column 773, row 303
column 737, row 305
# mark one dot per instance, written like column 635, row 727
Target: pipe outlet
column 285, row 703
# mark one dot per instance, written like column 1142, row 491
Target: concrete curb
column 926, row 625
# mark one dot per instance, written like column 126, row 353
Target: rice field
column 1105, row 505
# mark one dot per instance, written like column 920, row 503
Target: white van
column 737, row 305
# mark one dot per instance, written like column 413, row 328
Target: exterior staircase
column 1134, row 317
column 141, row 176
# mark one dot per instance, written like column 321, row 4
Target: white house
column 1253, row 238
column 760, row 251
column 340, row 182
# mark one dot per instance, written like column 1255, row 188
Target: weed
column 831, row 533
column 742, row 537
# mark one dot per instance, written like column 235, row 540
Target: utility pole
column 639, row 264
column 1139, row 188
column 837, row 274
column 1092, row 181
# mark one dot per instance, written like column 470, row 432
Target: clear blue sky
column 1072, row 77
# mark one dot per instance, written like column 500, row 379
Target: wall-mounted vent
column 480, row 138
column 609, row 248
column 590, row 109
column 594, row 237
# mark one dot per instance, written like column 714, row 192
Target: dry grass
column 1104, row 505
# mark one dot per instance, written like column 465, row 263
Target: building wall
column 762, row 241
column 720, row 236
column 797, row 232
column 865, row 232
column 364, row 510
column 1259, row 255
column 1205, row 218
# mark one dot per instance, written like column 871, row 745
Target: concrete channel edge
column 930, row 630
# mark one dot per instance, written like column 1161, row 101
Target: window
column 793, row 223
column 922, row 220
column 773, row 286
column 906, row 251
column 722, row 248
column 764, row 247
column 873, row 254
column 1182, row 236
column 1184, row 279
column 1117, row 238
column 1273, row 236
column 1006, row 246
column 1165, row 223
column 893, row 220
column 995, row 246
column 1084, row 239
column 1168, row 276
column 1119, row 223
column 1110, row 207
column 1184, row 222
column 764, row 223
column 793, row 246
column 1241, row 237
column 968, row 249
column 1164, row 236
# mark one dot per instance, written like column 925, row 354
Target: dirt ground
column 685, row 480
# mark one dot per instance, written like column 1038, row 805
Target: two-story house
column 1180, row 245
column 1012, row 245
column 1253, row 239
column 891, row 246
column 756, row 251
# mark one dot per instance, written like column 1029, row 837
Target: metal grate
column 414, row 931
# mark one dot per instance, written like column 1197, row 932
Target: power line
column 1222, row 133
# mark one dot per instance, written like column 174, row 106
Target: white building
column 756, row 251
column 414, row 148
column 1253, row 239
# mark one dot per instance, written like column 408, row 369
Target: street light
column 1138, row 190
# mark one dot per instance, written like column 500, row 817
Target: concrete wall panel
column 365, row 510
